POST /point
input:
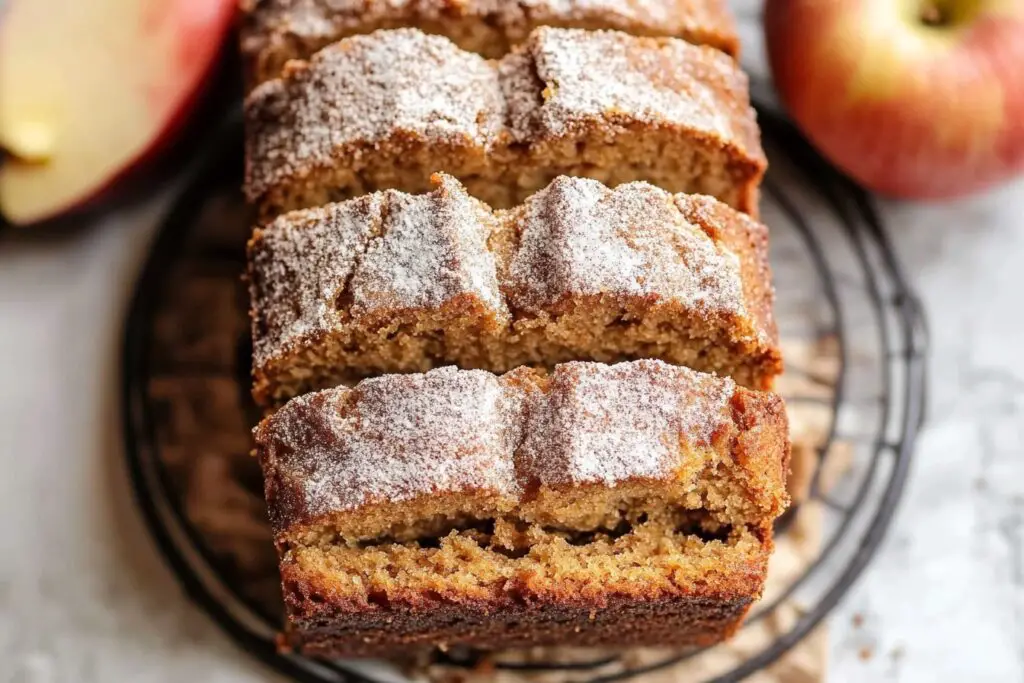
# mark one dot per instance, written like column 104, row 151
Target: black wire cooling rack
column 839, row 285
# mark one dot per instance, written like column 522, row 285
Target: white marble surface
column 85, row 599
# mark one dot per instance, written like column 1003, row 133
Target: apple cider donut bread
column 276, row 31
column 385, row 110
column 629, row 504
column 392, row 282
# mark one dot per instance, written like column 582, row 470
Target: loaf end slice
column 596, row 505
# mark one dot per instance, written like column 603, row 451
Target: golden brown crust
column 275, row 31
column 412, row 509
column 748, row 239
column 392, row 282
column 388, row 109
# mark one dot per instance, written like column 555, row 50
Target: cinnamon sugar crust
column 276, row 31
column 392, row 282
column 432, row 508
column 386, row 110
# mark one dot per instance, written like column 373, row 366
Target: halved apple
column 88, row 89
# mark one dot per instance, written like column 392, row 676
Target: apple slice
column 88, row 89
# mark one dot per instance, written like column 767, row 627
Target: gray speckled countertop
column 85, row 599
column 944, row 600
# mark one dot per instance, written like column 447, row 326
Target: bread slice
column 392, row 282
column 598, row 505
column 386, row 110
column 276, row 31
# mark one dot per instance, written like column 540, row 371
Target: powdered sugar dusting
column 281, row 24
column 666, row 15
column 298, row 267
column 433, row 248
column 579, row 237
column 391, row 251
column 391, row 438
column 387, row 251
column 323, row 19
column 355, row 94
column 397, row 437
column 594, row 75
column 631, row 420
column 399, row 88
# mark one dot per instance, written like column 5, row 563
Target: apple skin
column 908, row 109
column 178, row 44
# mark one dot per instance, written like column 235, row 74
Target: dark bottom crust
column 622, row 622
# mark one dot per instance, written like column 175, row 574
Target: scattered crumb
column 866, row 653
column 858, row 620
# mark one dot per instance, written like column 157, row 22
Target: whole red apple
column 88, row 89
column 913, row 98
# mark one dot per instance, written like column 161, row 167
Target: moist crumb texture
column 392, row 282
column 276, row 31
column 388, row 109
column 626, row 504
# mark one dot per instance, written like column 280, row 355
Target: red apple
column 913, row 98
column 89, row 88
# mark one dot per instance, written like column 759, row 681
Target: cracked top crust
column 318, row 271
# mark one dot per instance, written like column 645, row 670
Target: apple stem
column 931, row 15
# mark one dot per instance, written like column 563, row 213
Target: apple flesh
column 90, row 89
column 915, row 99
